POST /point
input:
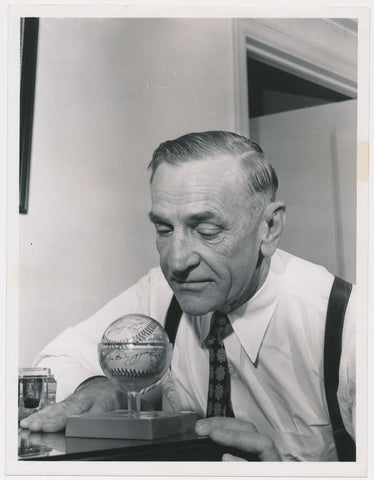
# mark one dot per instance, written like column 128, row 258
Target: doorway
column 273, row 90
column 306, row 123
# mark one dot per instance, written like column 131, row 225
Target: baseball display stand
column 134, row 354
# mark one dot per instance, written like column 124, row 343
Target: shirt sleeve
column 347, row 370
column 72, row 356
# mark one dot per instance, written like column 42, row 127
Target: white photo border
column 181, row 469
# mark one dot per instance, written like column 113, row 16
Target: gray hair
column 261, row 176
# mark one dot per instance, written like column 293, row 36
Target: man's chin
column 193, row 305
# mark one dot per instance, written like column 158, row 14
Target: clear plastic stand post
column 133, row 404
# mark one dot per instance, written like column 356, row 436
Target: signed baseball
column 134, row 352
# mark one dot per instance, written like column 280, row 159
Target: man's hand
column 94, row 396
column 240, row 434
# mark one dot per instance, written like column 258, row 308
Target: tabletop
column 183, row 447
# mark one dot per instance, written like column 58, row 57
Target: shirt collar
column 251, row 320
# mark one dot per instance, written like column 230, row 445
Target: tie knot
column 219, row 323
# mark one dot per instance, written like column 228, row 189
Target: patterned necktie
column 219, row 402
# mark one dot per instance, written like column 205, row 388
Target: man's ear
column 274, row 218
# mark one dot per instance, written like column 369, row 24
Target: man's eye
column 209, row 233
column 163, row 230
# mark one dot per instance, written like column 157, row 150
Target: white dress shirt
column 275, row 355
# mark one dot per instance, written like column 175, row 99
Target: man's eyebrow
column 154, row 218
column 194, row 218
column 201, row 217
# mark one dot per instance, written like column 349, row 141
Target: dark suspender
column 339, row 296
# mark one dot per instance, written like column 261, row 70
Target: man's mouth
column 191, row 284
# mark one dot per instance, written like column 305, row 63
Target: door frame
column 320, row 50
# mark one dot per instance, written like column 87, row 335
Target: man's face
column 207, row 236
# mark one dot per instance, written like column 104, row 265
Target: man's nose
column 181, row 255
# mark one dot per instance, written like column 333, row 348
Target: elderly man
column 254, row 311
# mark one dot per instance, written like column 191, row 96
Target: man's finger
column 206, row 425
column 45, row 423
column 248, row 442
column 227, row 457
column 240, row 434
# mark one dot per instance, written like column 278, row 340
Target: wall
column 107, row 93
column 314, row 153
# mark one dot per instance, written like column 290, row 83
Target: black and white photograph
column 188, row 218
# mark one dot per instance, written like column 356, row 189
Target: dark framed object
column 29, row 47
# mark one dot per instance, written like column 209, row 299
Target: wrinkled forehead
column 223, row 170
column 200, row 184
